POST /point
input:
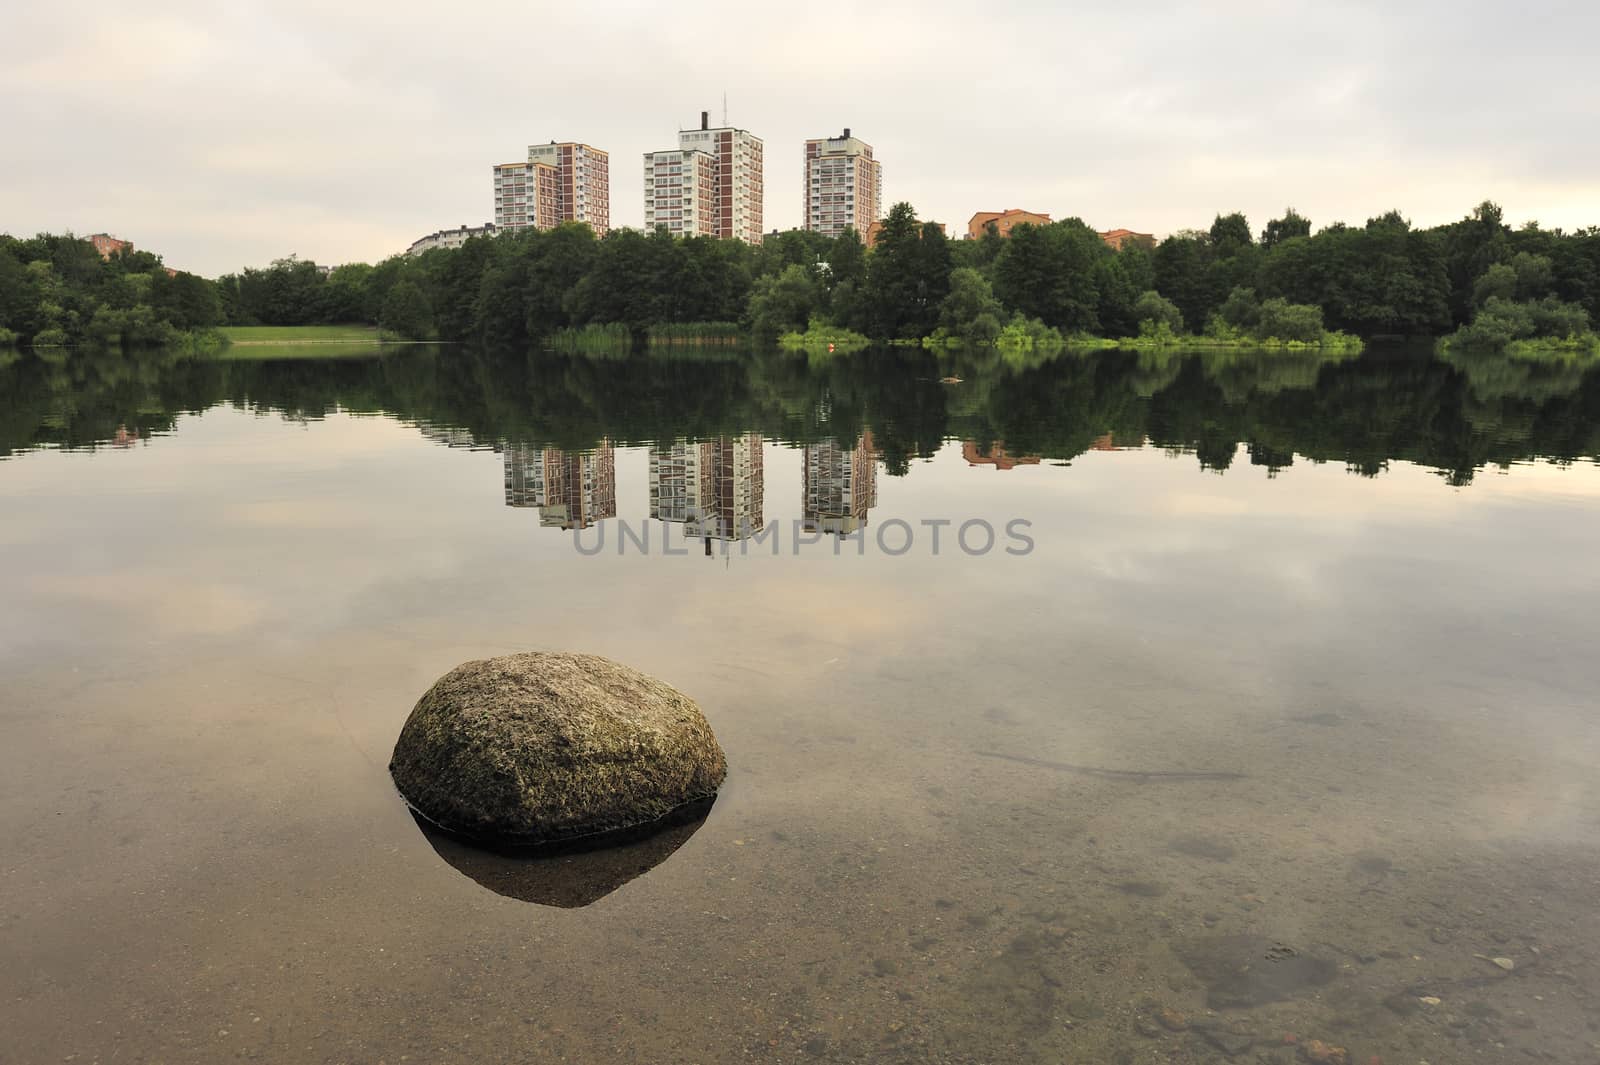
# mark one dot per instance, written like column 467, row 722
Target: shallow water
column 1284, row 727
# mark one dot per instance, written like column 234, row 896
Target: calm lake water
column 1268, row 730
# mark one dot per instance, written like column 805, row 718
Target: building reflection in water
column 572, row 489
column 712, row 488
column 994, row 455
column 841, row 486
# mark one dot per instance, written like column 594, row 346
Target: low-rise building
column 450, row 238
column 107, row 245
column 1116, row 238
column 1004, row 221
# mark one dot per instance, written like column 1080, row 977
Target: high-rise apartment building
column 524, row 196
column 560, row 182
column 571, row 489
column 735, row 177
column 680, row 193
column 840, row 486
column 713, row 488
column 583, row 182
column 844, row 185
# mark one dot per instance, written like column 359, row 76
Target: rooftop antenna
column 724, row 108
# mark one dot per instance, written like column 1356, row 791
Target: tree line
column 1479, row 280
column 57, row 290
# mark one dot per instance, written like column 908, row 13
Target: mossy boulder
column 551, row 747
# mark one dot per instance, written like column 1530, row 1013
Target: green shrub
column 1285, row 321
column 1155, row 310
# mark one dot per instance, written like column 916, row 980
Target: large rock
column 550, row 747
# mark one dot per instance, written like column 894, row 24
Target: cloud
column 227, row 135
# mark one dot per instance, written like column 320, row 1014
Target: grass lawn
column 301, row 334
column 261, row 350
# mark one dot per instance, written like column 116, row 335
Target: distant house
column 107, row 245
column 1116, row 238
column 450, row 238
column 1004, row 221
column 871, row 236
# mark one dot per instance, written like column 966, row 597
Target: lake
column 1113, row 707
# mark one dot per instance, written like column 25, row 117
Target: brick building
column 1004, row 221
column 736, row 179
column 559, row 182
column 843, row 185
column 1116, row 238
column 107, row 245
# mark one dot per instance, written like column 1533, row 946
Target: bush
column 1029, row 334
column 1282, row 320
column 1241, row 311
column 824, row 335
column 1155, row 310
column 1502, row 321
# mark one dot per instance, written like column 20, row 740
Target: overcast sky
column 227, row 133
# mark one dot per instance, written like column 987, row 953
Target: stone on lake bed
column 1245, row 971
column 553, row 747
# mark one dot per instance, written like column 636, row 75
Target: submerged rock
column 568, row 878
column 552, row 747
column 1243, row 971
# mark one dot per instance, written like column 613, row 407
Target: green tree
column 785, row 302
column 1230, row 234
column 406, row 312
column 1535, row 275
column 847, row 258
column 1183, row 273
column 1282, row 320
column 1469, row 248
column 1241, row 310
column 908, row 274
column 1154, row 310
column 1289, row 227
column 970, row 311
column 1053, row 273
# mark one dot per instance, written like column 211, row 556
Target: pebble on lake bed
column 1325, row 1054
column 552, row 747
